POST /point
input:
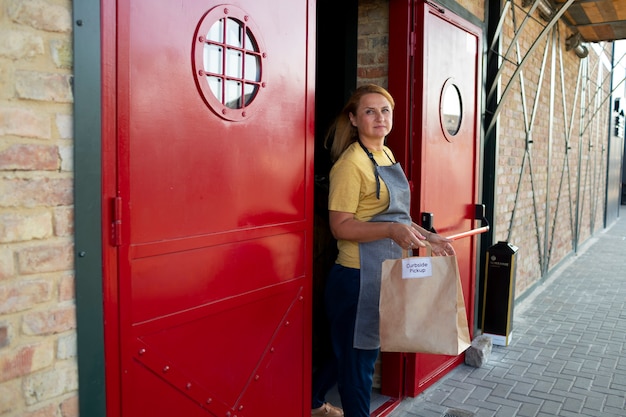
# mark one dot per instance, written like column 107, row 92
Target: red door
column 213, row 223
column 441, row 156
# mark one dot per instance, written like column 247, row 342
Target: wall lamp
column 574, row 43
column 546, row 11
column 544, row 7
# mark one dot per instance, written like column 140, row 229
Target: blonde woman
column 369, row 215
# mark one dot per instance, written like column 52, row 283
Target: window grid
column 228, row 62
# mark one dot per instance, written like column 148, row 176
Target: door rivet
column 256, row 377
column 166, row 369
column 287, row 323
column 142, row 351
column 209, row 400
column 188, row 386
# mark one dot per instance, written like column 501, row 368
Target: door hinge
column 116, row 225
column 412, row 42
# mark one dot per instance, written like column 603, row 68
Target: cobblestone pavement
column 567, row 355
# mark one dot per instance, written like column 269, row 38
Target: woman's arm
column 344, row 226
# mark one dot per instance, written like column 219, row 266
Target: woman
column 369, row 206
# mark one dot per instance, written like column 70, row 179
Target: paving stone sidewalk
column 567, row 356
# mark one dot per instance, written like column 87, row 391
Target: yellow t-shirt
column 353, row 190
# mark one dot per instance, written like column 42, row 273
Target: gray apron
column 372, row 254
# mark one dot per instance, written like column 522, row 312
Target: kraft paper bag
column 422, row 307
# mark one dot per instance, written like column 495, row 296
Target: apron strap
column 371, row 157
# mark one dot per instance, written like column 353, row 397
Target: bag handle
column 407, row 253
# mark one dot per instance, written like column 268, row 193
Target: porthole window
column 450, row 109
column 228, row 62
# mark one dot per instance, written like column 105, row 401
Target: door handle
column 479, row 214
column 472, row 232
column 427, row 221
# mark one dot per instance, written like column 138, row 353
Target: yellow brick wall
column 555, row 168
column 373, row 42
column 475, row 7
column 38, row 373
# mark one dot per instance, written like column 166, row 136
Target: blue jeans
column 355, row 367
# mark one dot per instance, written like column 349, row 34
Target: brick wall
column 477, row 8
column 545, row 180
column 373, row 42
column 38, row 374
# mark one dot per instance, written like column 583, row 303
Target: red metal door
column 441, row 156
column 446, row 149
column 213, row 223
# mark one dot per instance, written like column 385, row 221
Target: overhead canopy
column 597, row 20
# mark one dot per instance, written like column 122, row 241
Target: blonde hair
column 342, row 132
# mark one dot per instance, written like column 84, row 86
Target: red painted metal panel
column 179, row 281
column 447, row 180
column 233, row 354
column 442, row 167
column 210, row 289
column 109, row 189
column 232, row 176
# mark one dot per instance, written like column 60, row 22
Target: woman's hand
column 441, row 245
column 406, row 236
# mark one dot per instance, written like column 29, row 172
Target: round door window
column 228, row 62
column 450, row 109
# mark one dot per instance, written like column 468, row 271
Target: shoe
column 328, row 410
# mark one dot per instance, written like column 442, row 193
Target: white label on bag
column 416, row 268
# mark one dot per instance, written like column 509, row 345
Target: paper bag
column 422, row 313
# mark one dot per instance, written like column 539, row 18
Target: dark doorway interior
column 335, row 80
